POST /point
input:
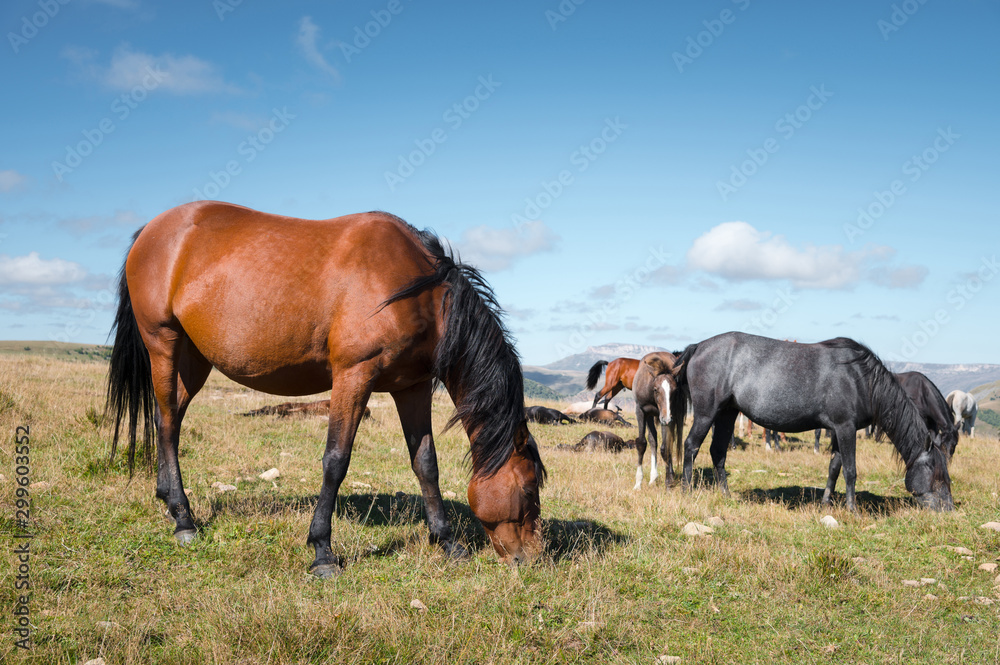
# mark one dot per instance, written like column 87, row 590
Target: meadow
column 617, row 583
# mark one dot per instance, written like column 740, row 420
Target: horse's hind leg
column 414, row 407
column 725, row 422
column 178, row 371
column 699, row 430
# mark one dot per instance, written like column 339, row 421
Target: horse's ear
column 676, row 371
column 656, row 364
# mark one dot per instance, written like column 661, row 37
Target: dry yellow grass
column 618, row 583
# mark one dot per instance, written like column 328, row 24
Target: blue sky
column 654, row 173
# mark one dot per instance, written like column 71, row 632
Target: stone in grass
column 924, row 581
column 668, row 660
column 913, row 583
column 270, row 474
column 222, row 487
column 95, row 661
column 715, row 521
column 964, row 551
column 830, row 522
column 449, row 495
column 417, row 605
column 696, row 529
column 988, row 567
column 930, row 596
column 993, row 526
column 39, row 486
column 997, row 581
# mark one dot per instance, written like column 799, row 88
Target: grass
column 618, row 582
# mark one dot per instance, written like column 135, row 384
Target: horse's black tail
column 595, row 374
column 130, row 380
column 682, row 360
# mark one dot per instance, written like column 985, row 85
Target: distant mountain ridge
column 964, row 376
column 582, row 362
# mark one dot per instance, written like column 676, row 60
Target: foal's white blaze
column 665, row 419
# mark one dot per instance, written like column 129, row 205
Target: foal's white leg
column 653, row 473
column 638, row 477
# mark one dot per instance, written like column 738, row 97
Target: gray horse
column 963, row 406
column 838, row 384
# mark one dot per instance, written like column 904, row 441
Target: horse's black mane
column 475, row 357
column 893, row 413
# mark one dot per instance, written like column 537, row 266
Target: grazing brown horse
column 621, row 372
column 358, row 304
column 288, row 409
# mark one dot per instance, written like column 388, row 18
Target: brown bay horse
column 658, row 399
column 618, row 377
column 358, row 304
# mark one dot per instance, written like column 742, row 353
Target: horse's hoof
column 326, row 571
column 455, row 551
column 185, row 537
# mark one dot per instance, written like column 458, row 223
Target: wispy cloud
column 127, row 219
column 32, row 269
column 736, row 251
column 497, row 249
column 307, row 42
column 129, row 68
column 11, row 181
column 741, row 305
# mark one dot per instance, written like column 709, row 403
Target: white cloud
column 180, row 75
column 736, row 251
column 11, row 180
column 32, row 269
column 496, row 249
column 306, row 40
column 127, row 219
column 907, row 277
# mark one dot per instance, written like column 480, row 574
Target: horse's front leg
column 834, row 473
column 346, row 411
column 640, row 445
column 725, row 422
column 414, row 407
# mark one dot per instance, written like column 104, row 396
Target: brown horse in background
column 357, row 304
column 620, row 374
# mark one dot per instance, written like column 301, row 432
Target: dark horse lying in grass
column 932, row 407
column 620, row 374
column 543, row 415
column 837, row 384
column 358, row 304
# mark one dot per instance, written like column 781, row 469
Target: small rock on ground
column 927, row 580
column 715, row 521
column 270, row 474
column 930, row 596
column 95, row 661
column 417, row 605
column 830, row 522
column 360, row 486
column 994, row 526
column 696, row 529
column 668, row 660
column 39, row 486
column 449, row 495
column 988, row 567
column 911, row 583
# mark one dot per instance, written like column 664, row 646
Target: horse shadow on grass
column 796, row 497
column 563, row 538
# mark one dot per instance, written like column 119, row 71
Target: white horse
column 963, row 407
